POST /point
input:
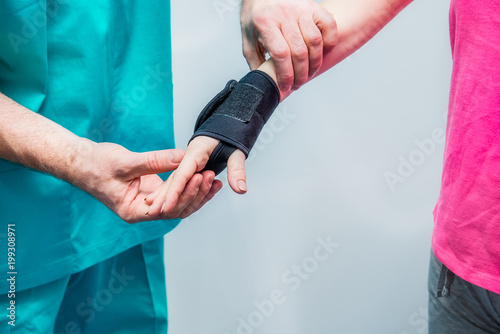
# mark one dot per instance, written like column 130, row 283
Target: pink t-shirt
column 467, row 216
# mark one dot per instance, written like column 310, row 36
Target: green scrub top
column 101, row 69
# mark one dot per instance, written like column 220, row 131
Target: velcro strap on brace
column 237, row 115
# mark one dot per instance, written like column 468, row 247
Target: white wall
column 318, row 172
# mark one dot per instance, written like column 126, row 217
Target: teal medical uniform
column 101, row 69
column 123, row 294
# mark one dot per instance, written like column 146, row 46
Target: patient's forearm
column 357, row 22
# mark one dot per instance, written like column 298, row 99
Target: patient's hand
column 166, row 197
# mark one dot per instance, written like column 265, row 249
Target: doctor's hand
column 297, row 34
column 188, row 175
column 122, row 180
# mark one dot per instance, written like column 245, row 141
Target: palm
column 126, row 192
column 133, row 194
column 124, row 179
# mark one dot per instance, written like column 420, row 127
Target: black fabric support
column 218, row 158
column 241, row 103
column 237, row 115
column 214, row 104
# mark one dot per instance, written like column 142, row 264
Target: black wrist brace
column 237, row 115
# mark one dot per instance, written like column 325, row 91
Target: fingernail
column 174, row 156
column 242, row 185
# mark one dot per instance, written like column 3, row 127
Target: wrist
column 79, row 166
column 237, row 115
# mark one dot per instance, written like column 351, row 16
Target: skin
column 295, row 33
column 357, row 21
column 127, row 182
column 117, row 177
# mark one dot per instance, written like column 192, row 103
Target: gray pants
column 459, row 307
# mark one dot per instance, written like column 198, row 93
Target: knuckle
column 247, row 52
column 261, row 20
column 280, row 53
column 316, row 62
column 326, row 20
column 184, row 179
column 315, row 40
column 301, row 52
column 286, row 79
column 300, row 79
column 325, row 16
column 299, row 82
column 202, row 160
column 330, row 21
column 192, row 194
column 331, row 43
column 204, row 188
column 333, row 24
column 153, row 161
column 240, row 171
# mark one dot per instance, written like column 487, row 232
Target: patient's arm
column 357, row 22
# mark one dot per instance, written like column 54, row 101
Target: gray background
column 319, row 171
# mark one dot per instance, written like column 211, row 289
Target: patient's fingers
column 186, row 202
column 180, row 178
column 162, row 188
column 216, row 186
column 157, row 199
